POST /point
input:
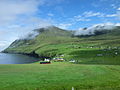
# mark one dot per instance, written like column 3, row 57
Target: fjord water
column 6, row 58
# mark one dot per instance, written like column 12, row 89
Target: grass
column 91, row 56
column 91, row 72
column 54, row 41
column 59, row 76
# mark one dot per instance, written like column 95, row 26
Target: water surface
column 6, row 58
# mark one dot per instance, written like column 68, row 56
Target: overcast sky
column 18, row 17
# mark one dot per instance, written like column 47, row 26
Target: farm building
column 58, row 59
column 72, row 61
column 46, row 61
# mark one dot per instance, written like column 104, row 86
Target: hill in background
column 102, row 47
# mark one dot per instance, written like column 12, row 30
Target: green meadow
column 97, row 65
column 59, row 76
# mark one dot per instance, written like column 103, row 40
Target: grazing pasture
column 59, row 76
column 94, row 62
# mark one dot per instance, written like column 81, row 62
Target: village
column 103, row 51
column 59, row 58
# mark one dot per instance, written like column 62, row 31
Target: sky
column 19, row 17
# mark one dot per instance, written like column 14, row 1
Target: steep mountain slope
column 52, row 41
column 46, row 36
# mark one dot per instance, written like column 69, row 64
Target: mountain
column 45, row 36
column 52, row 41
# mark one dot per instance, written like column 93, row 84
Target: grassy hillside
column 52, row 42
column 59, row 76
column 47, row 36
column 96, row 67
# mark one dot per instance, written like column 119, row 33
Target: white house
column 47, row 60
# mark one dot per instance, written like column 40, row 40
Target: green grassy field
column 59, row 76
column 97, row 66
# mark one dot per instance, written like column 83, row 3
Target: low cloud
column 97, row 27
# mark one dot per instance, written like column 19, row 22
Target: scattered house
column 54, row 58
column 62, row 55
column 115, row 47
column 72, row 61
column 47, row 60
column 58, row 59
column 91, row 46
column 116, row 53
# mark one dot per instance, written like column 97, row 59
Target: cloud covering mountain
column 97, row 27
column 20, row 17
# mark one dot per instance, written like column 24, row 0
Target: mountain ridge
column 52, row 41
